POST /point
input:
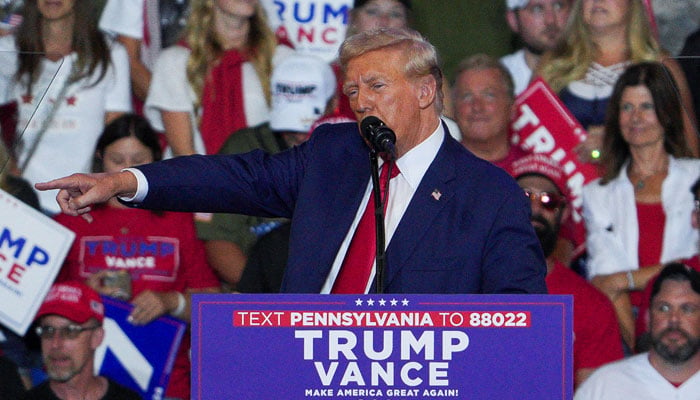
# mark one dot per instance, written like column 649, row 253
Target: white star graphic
column 382, row 302
column 370, row 302
column 394, row 302
column 358, row 302
column 404, row 302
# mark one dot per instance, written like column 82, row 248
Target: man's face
column 380, row 14
column 540, row 23
column 376, row 85
column 483, row 106
column 674, row 322
column 64, row 356
column 544, row 218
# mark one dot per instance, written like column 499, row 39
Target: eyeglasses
column 66, row 332
column 686, row 308
column 697, row 206
column 550, row 201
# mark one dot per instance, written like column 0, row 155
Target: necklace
column 641, row 182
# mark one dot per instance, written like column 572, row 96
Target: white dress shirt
column 413, row 166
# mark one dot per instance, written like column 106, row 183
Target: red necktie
column 357, row 265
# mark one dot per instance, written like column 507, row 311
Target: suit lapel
column 345, row 193
column 433, row 194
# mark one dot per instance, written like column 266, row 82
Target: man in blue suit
column 454, row 223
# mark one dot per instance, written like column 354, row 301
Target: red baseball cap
column 75, row 301
column 540, row 164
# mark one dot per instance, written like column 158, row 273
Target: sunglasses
column 66, row 332
column 549, row 201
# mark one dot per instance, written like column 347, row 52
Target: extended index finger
column 67, row 182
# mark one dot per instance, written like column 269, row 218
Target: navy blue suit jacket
column 475, row 237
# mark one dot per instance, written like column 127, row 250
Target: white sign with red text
column 32, row 250
column 542, row 124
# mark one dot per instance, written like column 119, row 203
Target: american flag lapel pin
column 436, row 194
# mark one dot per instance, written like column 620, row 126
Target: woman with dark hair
column 637, row 213
column 151, row 259
column 601, row 39
column 67, row 80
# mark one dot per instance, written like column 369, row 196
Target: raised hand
column 78, row 192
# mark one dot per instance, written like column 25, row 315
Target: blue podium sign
column 382, row 347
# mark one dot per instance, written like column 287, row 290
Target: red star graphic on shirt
column 27, row 98
column 71, row 100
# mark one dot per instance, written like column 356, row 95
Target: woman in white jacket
column 638, row 213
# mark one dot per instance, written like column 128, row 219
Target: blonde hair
column 205, row 49
column 570, row 60
column 421, row 56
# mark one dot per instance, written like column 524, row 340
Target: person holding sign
column 601, row 40
column 151, row 259
column 648, row 178
column 69, row 323
column 454, row 223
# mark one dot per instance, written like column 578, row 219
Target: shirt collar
column 415, row 163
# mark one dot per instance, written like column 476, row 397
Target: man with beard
column 670, row 369
column 539, row 24
column 642, row 321
column 69, row 323
column 597, row 338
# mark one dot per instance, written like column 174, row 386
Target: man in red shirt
column 483, row 102
column 597, row 339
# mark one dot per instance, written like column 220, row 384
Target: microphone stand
column 378, row 224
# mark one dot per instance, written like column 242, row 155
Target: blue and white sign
column 32, row 250
column 312, row 26
column 382, row 347
column 139, row 357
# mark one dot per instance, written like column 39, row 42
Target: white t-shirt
column 68, row 144
column 123, row 17
column 635, row 378
column 171, row 91
column 126, row 18
column 519, row 70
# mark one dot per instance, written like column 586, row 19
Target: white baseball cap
column 301, row 87
column 516, row 4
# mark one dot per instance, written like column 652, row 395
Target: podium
column 388, row 346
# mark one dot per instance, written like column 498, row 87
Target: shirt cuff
column 141, row 187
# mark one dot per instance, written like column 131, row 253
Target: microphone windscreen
column 368, row 124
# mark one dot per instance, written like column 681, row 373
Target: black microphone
column 380, row 137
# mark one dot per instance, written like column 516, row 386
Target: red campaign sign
column 543, row 124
